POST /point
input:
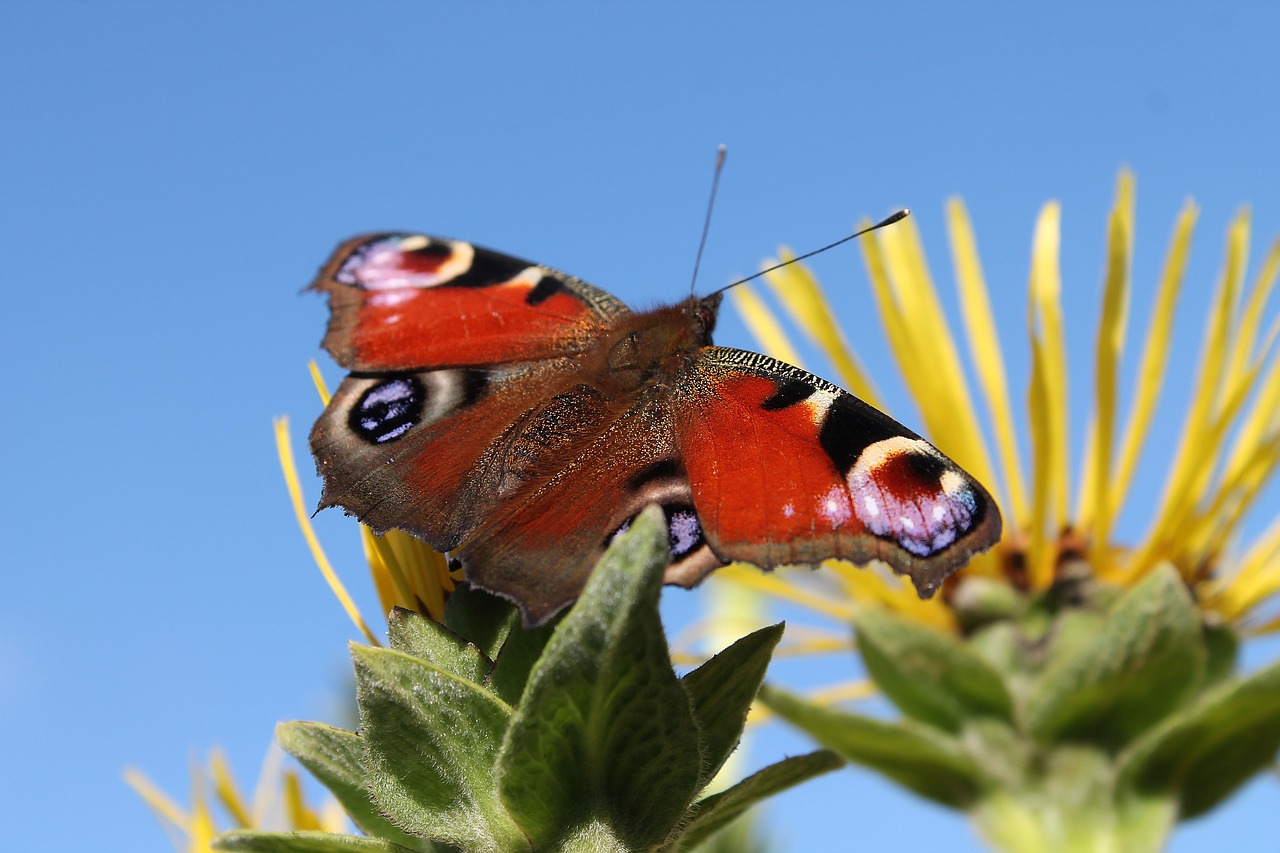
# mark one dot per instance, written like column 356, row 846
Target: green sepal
column 604, row 729
column 244, row 841
column 717, row 811
column 1147, row 659
column 428, row 640
column 335, row 757
column 931, row 677
column 431, row 741
column 1222, row 647
column 1206, row 752
column 918, row 757
column 721, row 692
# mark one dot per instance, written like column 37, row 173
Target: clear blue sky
column 172, row 174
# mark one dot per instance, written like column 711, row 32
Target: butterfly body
column 519, row 418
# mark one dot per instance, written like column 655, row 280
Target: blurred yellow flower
column 278, row 803
column 1230, row 444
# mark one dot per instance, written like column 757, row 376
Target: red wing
column 539, row 546
column 786, row 468
column 411, row 302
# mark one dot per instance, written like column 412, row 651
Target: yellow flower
column 1230, row 444
column 278, row 803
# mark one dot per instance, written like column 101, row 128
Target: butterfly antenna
column 888, row 220
column 721, row 152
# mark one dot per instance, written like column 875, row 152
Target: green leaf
column 1208, row 751
column 431, row 742
column 302, row 842
column 428, row 640
column 481, row 618
column 721, row 692
column 604, row 731
column 717, row 811
column 517, row 657
column 915, row 756
column 931, row 677
column 335, row 756
column 1146, row 661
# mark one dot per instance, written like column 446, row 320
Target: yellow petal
column 1040, row 556
column 799, row 291
column 1208, row 418
column 763, row 325
column 1155, row 355
column 298, row 815
column 984, row 346
column 284, row 449
column 1098, row 512
column 942, row 391
column 227, row 791
column 169, row 813
column 318, row 380
column 773, row 585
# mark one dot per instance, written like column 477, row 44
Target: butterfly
column 519, row 418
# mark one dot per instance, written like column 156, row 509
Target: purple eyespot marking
column 684, row 531
column 905, row 491
column 394, row 262
column 388, row 410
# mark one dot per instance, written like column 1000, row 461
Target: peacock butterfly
column 519, row 417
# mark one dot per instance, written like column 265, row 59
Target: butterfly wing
column 786, row 468
column 539, row 547
column 408, row 301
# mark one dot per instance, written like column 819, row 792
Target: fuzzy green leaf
column 335, row 757
column 302, row 842
column 431, row 741
column 516, row 659
column 717, row 811
column 721, row 692
column 1205, row 753
column 915, row 756
column 931, row 677
column 481, row 618
column 604, row 732
column 1147, row 659
column 428, row 640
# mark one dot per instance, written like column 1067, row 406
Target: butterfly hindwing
column 409, row 302
column 786, row 468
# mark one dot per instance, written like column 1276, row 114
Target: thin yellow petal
column 227, row 791
column 1256, row 578
column 984, row 346
column 1046, row 325
column 763, row 325
column 772, row 585
column 1265, row 414
column 322, row 387
column 946, row 402
column 165, row 809
column 298, row 815
column 1207, row 419
column 202, row 829
column 1040, row 556
column 284, row 449
column 1155, row 355
column 802, row 296
column 1245, row 337
column 873, row 585
column 1109, row 349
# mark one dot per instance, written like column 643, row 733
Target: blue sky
column 172, row 174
